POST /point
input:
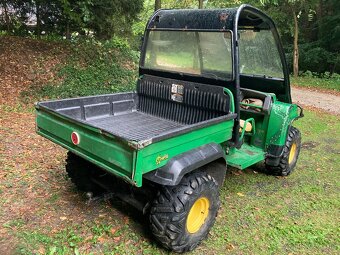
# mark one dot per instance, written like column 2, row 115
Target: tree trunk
column 38, row 27
column 296, row 47
column 319, row 15
column 8, row 27
column 158, row 4
column 68, row 32
column 200, row 4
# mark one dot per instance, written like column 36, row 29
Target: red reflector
column 75, row 138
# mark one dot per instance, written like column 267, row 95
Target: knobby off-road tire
column 80, row 172
column 290, row 154
column 181, row 216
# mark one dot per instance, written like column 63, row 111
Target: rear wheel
column 81, row 172
column 181, row 216
column 290, row 154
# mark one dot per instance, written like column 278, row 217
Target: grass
column 317, row 83
column 260, row 214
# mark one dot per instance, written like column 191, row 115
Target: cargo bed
column 125, row 131
column 117, row 114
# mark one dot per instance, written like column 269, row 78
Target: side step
column 245, row 156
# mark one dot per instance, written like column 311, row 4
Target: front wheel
column 289, row 156
column 181, row 216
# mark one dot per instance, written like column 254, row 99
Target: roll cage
column 222, row 20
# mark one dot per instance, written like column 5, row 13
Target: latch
column 177, row 92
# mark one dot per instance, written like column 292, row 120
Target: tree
column 74, row 13
column 294, row 8
column 38, row 16
column 200, row 4
column 158, row 5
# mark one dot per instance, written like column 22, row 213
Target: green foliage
column 102, row 17
column 318, row 32
column 108, row 17
column 319, row 28
column 119, row 43
column 149, row 6
column 93, row 68
column 316, row 58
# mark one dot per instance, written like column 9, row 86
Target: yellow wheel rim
column 292, row 153
column 198, row 214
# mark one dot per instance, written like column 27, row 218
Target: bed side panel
column 158, row 154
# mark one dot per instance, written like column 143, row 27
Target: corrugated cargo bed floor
column 135, row 126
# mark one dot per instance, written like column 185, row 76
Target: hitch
column 127, row 198
column 96, row 199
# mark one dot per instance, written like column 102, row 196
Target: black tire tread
column 80, row 171
column 283, row 168
column 169, row 212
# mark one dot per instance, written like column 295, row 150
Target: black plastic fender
column 172, row 173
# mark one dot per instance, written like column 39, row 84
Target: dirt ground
column 25, row 62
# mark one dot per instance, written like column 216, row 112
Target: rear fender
column 172, row 173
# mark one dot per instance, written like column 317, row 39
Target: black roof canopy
column 209, row 19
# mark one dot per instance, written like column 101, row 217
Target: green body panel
column 115, row 155
column 281, row 117
column 158, row 154
column 244, row 157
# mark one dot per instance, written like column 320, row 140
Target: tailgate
column 102, row 149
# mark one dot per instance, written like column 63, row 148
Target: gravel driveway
column 325, row 101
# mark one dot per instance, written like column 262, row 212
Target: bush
column 325, row 75
column 317, row 59
column 314, row 58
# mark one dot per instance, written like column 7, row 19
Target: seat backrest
column 181, row 101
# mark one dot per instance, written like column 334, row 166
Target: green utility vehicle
column 213, row 90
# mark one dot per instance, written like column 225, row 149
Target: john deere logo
column 160, row 158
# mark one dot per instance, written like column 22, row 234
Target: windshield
column 259, row 54
column 198, row 53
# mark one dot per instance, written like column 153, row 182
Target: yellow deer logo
column 160, row 158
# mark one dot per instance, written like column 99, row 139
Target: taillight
column 75, row 138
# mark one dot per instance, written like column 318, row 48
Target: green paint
column 253, row 130
column 252, row 105
column 281, row 117
column 244, row 157
column 147, row 157
column 231, row 96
